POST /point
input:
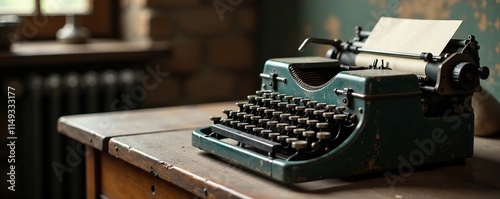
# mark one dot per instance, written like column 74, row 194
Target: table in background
column 148, row 153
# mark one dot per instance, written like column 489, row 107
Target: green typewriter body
column 323, row 117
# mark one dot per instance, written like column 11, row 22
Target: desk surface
column 152, row 140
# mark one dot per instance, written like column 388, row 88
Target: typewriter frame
column 385, row 138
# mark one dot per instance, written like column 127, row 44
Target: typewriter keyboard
column 285, row 126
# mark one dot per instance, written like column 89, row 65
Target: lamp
column 72, row 32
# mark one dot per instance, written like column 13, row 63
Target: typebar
column 245, row 138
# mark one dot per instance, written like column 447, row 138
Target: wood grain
column 96, row 129
column 171, row 156
column 122, row 180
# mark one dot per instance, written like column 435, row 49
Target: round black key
column 247, row 116
column 285, row 115
column 297, row 98
column 261, row 109
column 308, row 133
column 294, row 118
column 259, row 99
column 274, row 94
column 304, row 101
column 257, row 130
column 282, row 137
column 339, row 116
column 330, row 107
column 341, row 108
column 291, row 106
column 240, row 104
column 282, row 125
column 312, row 103
column 290, row 127
column 251, row 97
column 290, row 140
column 323, row 135
column 288, row 97
column 249, row 127
column 277, row 113
column 226, row 111
column 321, row 105
column 299, row 144
column 275, row 102
column 281, row 96
column 234, row 122
column 259, row 92
column 256, row 118
column 269, row 111
column 255, row 107
column 311, row 122
column 272, row 123
column 247, row 106
column 226, row 121
column 309, row 110
column 318, row 112
column 302, row 120
column 322, row 125
column 240, row 114
column 300, row 108
column 267, row 100
column 282, row 104
column 263, row 121
column 328, row 114
column 215, row 118
column 273, row 135
column 265, row 132
column 298, row 131
column 242, row 124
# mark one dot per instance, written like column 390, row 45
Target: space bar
column 245, row 138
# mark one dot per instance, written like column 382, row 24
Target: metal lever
column 318, row 41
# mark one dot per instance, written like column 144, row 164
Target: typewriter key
column 308, row 134
column 273, row 136
column 341, row 108
column 328, row 115
column 304, row 101
column 298, row 131
column 321, row 105
column 227, row 112
column 297, row 99
column 281, row 126
column 322, row 125
column 339, row 117
column 282, row 138
column 240, row 105
column 259, row 92
column 281, row 96
column 265, row 133
column 312, row 104
column 330, row 107
column 288, row 98
column 215, row 119
column 323, row 135
column 299, row 144
column 257, row 130
column 290, row 140
column 249, row 128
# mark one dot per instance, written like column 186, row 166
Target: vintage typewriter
column 324, row 117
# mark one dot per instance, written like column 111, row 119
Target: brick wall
column 214, row 53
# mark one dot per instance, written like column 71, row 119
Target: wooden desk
column 148, row 154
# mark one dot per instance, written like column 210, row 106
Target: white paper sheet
column 408, row 36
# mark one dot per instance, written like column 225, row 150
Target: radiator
column 41, row 99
